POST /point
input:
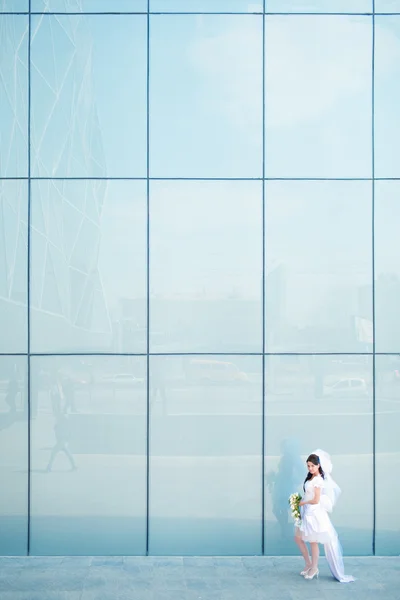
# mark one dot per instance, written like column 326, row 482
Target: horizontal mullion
column 141, row 13
column 79, row 14
column 88, row 354
column 320, row 14
column 26, row 354
column 260, row 14
column 199, row 178
column 233, row 353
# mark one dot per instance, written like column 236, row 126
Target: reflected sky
column 89, row 96
column 14, row 6
column 387, row 94
column 251, row 6
column 89, row 105
column 318, row 96
column 387, row 6
column 89, row 5
column 319, row 6
column 14, row 96
column 206, row 96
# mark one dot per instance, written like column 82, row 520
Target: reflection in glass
column 387, row 96
column 88, row 266
column 206, row 266
column 14, row 96
column 14, row 6
column 250, row 6
column 387, row 268
column 318, row 266
column 318, row 96
column 13, row 265
column 387, row 6
column 88, row 455
column 14, row 456
column 313, row 402
column 387, row 422
column 89, row 96
column 206, row 424
column 97, row 6
column 206, row 96
column 319, row 6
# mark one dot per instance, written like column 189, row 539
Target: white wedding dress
column 316, row 525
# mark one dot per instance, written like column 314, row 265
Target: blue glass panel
column 89, row 96
column 251, row 6
column 206, row 266
column 387, row 390
column 88, row 266
column 13, row 265
column 14, row 6
column 387, row 96
column 206, row 448
column 319, row 266
column 14, row 455
column 387, row 270
column 387, row 6
column 88, row 455
column 97, row 6
column 318, row 6
column 206, row 96
column 14, row 96
column 313, row 402
column 318, row 94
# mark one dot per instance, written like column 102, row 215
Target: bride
column 321, row 493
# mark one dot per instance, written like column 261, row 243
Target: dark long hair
column 314, row 459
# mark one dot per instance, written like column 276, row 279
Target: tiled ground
column 191, row 578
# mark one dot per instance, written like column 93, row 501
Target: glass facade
column 199, row 214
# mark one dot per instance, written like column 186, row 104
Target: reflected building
column 157, row 173
column 67, row 292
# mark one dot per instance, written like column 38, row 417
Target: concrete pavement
column 192, row 578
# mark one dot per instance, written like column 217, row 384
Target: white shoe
column 312, row 575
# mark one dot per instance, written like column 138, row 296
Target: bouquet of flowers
column 294, row 501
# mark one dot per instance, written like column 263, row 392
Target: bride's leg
column 303, row 549
column 314, row 556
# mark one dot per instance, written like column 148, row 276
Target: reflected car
column 350, row 386
column 214, row 371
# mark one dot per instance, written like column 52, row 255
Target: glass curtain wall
column 199, row 284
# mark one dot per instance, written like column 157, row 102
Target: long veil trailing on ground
column 330, row 493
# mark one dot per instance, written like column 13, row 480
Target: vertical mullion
column 373, row 287
column 28, row 282
column 263, row 289
column 148, row 283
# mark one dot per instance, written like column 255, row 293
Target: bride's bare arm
column 316, row 499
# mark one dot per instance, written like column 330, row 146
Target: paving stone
column 191, row 578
